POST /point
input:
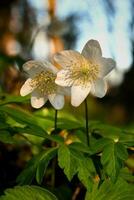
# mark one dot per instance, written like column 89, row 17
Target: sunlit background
column 104, row 20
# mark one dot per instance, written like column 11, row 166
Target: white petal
column 37, row 100
column 106, row 66
column 33, row 67
column 57, row 101
column 50, row 66
column 67, row 58
column 66, row 91
column 92, row 50
column 62, row 78
column 79, row 94
column 26, row 88
column 99, row 88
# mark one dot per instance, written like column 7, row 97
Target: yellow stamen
column 83, row 73
column 44, row 82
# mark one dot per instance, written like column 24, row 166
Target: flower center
column 44, row 82
column 83, row 73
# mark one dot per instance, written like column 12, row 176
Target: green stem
column 86, row 118
column 55, row 119
column 53, row 144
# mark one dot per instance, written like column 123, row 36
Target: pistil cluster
column 44, row 82
column 80, row 74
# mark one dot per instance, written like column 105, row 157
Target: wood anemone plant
column 68, row 159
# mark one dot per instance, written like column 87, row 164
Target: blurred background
column 36, row 29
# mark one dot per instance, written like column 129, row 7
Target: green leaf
column 65, row 123
column 81, row 136
column 43, row 163
column 105, row 130
column 31, row 130
column 112, row 158
column 127, row 175
column 67, row 161
column 121, row 190
column 32, row 125
column 110, row 161
column 65, row 119
column 112, row 132
column 36, row 120
column 28, row 174
column 80, row 147
column 98, row 145
column 86, row 172
column 121, row 151
column 3, row 125
column 25, row 118
column 6, row 99
column 19, row 115
column 28, row 193
column 37, row 131
column 36, row 167
column 73, row 161
column 6, row 137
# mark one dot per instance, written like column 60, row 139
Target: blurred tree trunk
column 57, row 44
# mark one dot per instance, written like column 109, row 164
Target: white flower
column 41, row 84
column 84, row 72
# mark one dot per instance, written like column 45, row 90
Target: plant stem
column 55, row 120
column 54, row 144
column 86, row 118
column 76, row 193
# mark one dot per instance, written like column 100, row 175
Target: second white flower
column 84, row 72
